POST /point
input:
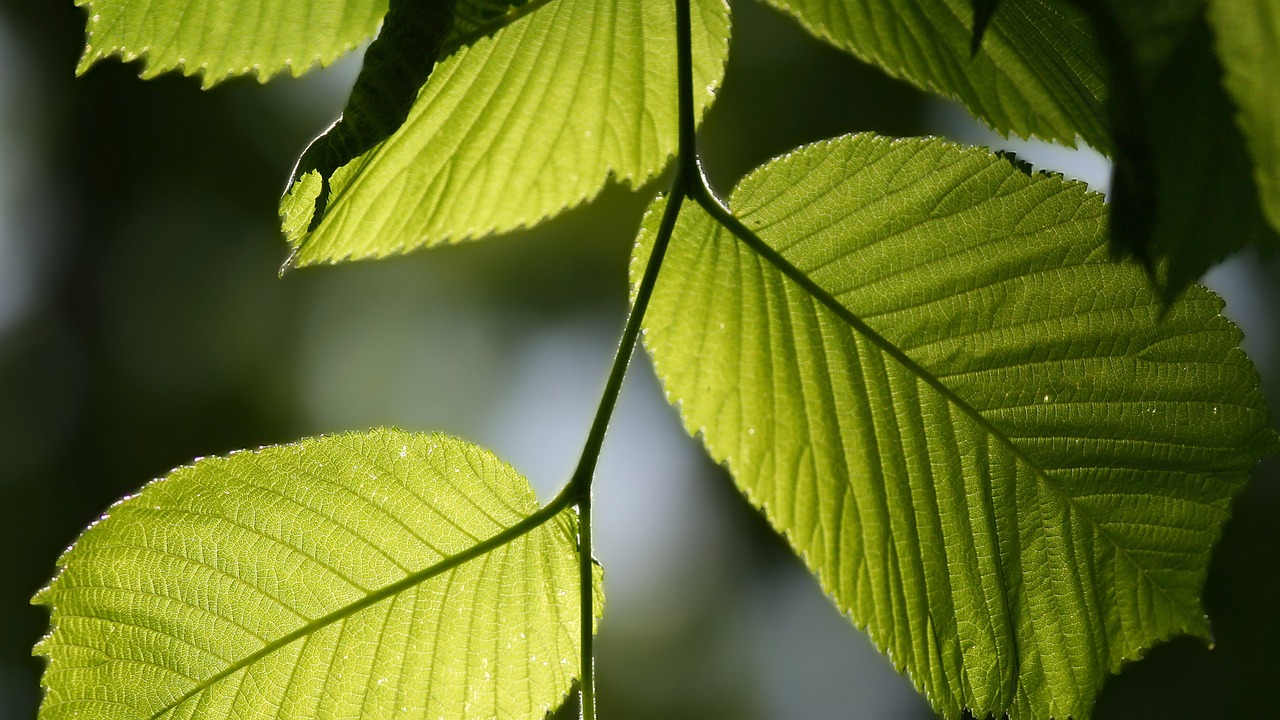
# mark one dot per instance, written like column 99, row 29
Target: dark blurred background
column 142, row 324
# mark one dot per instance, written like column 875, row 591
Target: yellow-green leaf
column 1183, row 192
column 353, row 576
column 1036, row 71
column 994, row 447
column 227, row 37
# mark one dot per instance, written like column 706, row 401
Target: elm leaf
column 1035, row 71
column 513, row 128
column 364, row 575
column 996, row 448
column 398, row 62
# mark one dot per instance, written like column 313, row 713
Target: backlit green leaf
column 1036, row 71
column 348, row 576
column 1247, row 37
column 983, row 11
column 228, row 37
column 972, row 426
column 514, row 128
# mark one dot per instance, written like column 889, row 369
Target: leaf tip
column 88, row 58
column 42, row 598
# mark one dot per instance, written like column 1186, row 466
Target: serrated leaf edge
column 1268, row 446
column 631, row 182
column 558, row 509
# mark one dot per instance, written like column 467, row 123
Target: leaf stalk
column 579, row 486
column 688, row 175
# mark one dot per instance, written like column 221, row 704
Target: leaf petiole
column 688, row 174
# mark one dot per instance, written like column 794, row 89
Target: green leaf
column 973, row 427
column 514, row 128
column 1036, row 72
column 1183, row 193
column 475, row 18
column 1247, row 37
column 396, row 65
column 229, row 37
column 346, row 576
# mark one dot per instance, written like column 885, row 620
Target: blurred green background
column 142, row 324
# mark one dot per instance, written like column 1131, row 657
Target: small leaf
column 1037, row 72
column 229, row 37
column 1247, row 37
column 972, row 426
column 344, row 576
column 514, row 128
column 1183, row 192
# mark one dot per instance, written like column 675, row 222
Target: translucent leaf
column 514, row 128
column 347, row 576
column 1183, row 192
column 228, row 37
column 414, row 37
column 1036, row 71
column 473, row 18
column 972, row 426
column 1247, row 37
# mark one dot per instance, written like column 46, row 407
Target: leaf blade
column 945, row 457
column 396, row 65
column 220, row 40
column 1183, row 187
column 515, row 128
column 243, row 584
column 1036, row 72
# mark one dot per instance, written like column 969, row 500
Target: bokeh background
column 142, row 324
